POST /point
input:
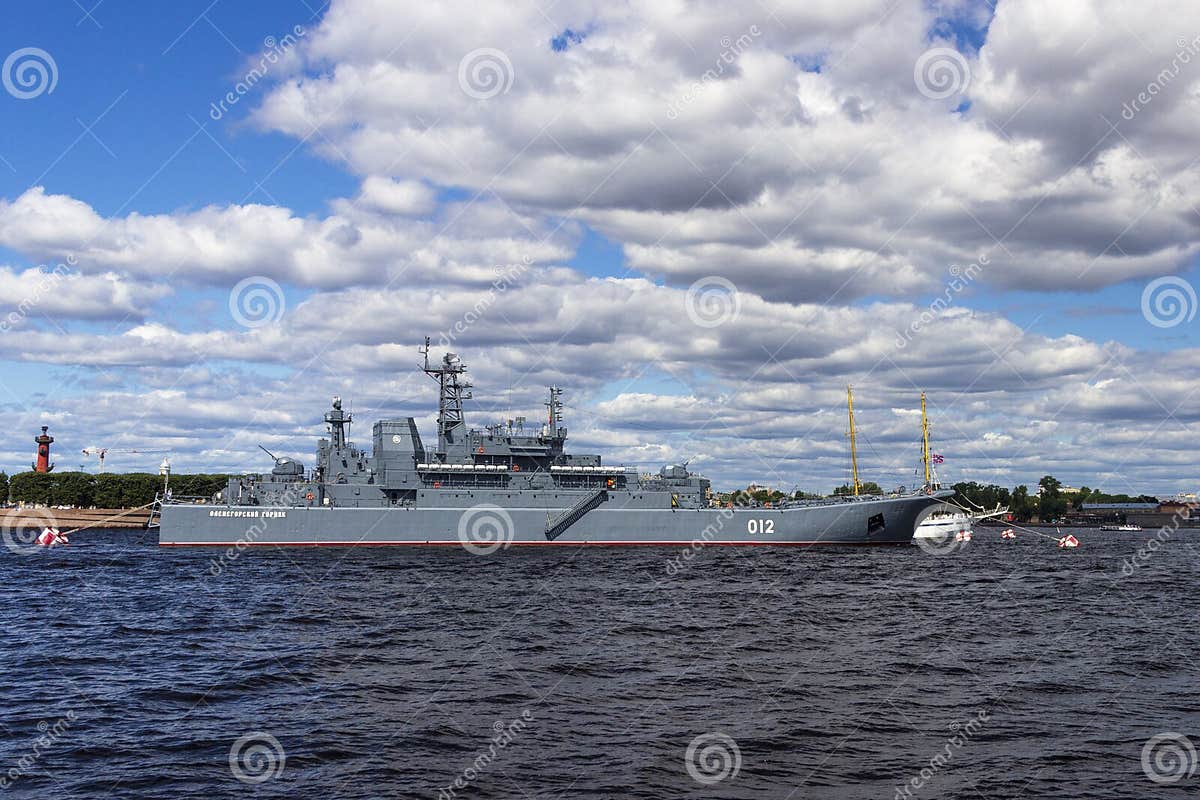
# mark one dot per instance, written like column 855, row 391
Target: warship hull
column 484, row 526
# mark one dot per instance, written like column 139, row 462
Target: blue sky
column 831, row 191
column 144, row 87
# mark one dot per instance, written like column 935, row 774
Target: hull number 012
column 760, row 526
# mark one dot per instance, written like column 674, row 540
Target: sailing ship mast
column 853, row 446
column 925, row 440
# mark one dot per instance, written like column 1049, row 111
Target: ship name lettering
column 245, row 513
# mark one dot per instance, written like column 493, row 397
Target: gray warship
column 505, row 485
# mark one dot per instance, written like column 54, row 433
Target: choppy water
column 1001, row 669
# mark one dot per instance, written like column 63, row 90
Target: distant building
column 1119, row 506
column 1178, row 513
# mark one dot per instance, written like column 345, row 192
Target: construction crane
column 102, row 452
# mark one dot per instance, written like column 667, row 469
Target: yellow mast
column 925, row 439
column 853, row 447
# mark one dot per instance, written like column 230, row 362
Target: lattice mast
column 452, row 390
column 554, row 417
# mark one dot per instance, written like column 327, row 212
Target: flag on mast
column 936, row 459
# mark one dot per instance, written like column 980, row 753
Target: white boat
column 947, row 524
column 1126, row 527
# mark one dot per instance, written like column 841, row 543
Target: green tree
column 1022, row 506
column 976, row 495
column 73, row 489
column 3, row 487
column 107, row 492
column 1050, row 485
column 1051, row 504
column 30, row 487
column 138, row 488
column 864, row 487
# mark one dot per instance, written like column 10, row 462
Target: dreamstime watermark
column 48, row 735
column 1183, row 56
column 733, row 49
column 1168, row 301
column 29, row 72
column 960, row 279
column 22, row 526
column 693, row 548
column 942, row 543
column 712, row 301
column 267, row 515
column 504, row 734
column 506, row 277
column 941, row 72
column 712, row 757
column 963, row 733
column 485, row 528
column 256, row 301
column 256, row 757
column 1168, row 757
column 275, row 51
column 46, row 283
column 485, row 72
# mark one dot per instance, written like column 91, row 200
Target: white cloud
column 762, row 174
column 410, row 198
column 809, row 190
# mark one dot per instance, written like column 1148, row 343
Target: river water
column 999, row 669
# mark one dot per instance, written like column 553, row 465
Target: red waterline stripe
column 528, row 544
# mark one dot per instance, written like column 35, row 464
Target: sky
column 702, row 220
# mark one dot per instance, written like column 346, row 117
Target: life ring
column 309, row 496
column 480, row 451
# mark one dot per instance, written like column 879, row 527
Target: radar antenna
column 451, row 392
column 554, row 417
column 338, row 421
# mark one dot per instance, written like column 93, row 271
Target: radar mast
column 451, row 392
column 554, row 418
column 338, row 421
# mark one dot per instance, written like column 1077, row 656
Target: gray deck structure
column 504, row 485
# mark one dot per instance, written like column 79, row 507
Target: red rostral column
column 43, row 454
